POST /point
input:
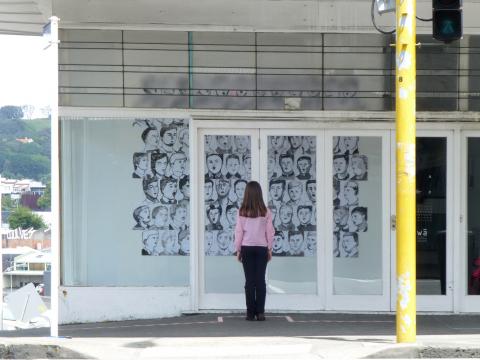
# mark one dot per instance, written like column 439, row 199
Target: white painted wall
column 96, row 304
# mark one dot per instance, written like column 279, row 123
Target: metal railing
column 253, row 72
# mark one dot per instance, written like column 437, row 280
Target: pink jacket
column 257, row 231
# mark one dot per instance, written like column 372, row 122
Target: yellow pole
column 406, row 204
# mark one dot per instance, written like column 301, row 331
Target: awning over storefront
column 18, row 17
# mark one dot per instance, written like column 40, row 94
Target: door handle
column 393, row 222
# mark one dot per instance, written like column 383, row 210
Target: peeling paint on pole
column 403, row 290
column 409, row 156
column 404, row 61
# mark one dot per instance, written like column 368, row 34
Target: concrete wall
column 36, row 243
column 94, row 304
column 218, row 15
column 241, row 15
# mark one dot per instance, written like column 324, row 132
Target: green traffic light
column 447, row 24
column 447, row 20
column 447, row 27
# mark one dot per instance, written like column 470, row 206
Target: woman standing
column 253, row 242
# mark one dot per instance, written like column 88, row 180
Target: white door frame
column 202, row 301
column 359, row 302
column 308, row 301
column 428, row 302
column 467, row 303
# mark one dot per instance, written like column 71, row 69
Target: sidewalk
column 229, row 336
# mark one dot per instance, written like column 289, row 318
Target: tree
column 24, row 218
column 44, row 202
column 7, row 202
column 25, row 161
column 11, row 112
column 11, row 127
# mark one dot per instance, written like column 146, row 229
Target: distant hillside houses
column 24, row 192
column 25, row 140
column 25, row 265
column 18, row 187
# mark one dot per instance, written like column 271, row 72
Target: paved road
column 230, row 336
column 220, row 325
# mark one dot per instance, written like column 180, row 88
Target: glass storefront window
column 431, row 215
column 473, row 223
column 112, row 186
column 357, row 215
column 292, row 200
column 263, row 71
column 224, row 70
column 228, row 168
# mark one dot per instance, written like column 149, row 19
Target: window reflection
column 431, row 215
column 473, row 233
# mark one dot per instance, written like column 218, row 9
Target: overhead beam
column 245, row 15
column 20, row 29
column 21, row 22
column 226, row 15
column 45, row 7
column 20, row 13
column 24, row 17
column 13, row 32
column 17, row 3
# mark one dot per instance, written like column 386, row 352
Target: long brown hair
column 252, row 204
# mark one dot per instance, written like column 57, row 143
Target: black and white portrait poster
column 350, row 217
column 227, row 171
column 161, row 167
column 292, row 191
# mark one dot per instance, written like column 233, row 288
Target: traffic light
column 447, row 20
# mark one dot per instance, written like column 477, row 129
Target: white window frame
column 467, row 303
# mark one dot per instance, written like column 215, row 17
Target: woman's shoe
column 261, row 317
column 249, row 317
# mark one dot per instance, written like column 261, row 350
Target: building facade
column 164, row 119
column 28, row 267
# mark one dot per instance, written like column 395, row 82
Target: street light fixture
column 384, row 6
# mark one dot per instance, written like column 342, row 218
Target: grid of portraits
column 350, row 170
column 292, row 194
column 227, row 171
column 161, row 167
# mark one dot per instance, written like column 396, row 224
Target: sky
column 24, row 71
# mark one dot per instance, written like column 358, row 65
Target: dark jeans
column 254, row 260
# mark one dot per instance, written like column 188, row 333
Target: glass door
column 468, row 269
column 286, row 167
column 433, row 222
column 227, row 160
column 290, row 172
column 357, row 256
